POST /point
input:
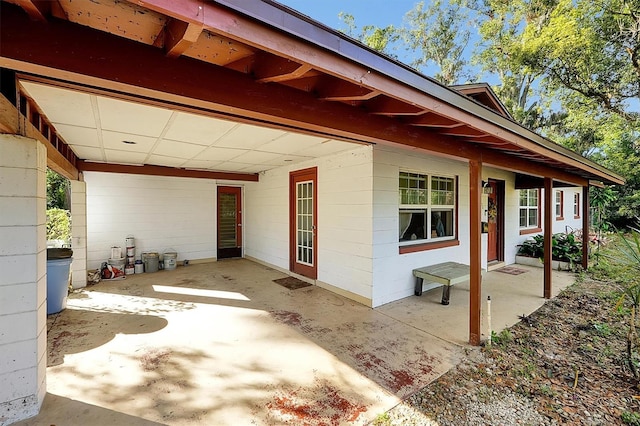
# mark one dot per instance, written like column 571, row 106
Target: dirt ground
column 563, row 364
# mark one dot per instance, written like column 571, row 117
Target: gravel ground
column 564, row 364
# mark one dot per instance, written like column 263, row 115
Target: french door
column 303, row 222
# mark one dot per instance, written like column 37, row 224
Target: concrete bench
column 446, row 274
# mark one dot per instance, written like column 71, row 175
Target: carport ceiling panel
column 257, row 157
column 125, row 157
column 116, row 17
column 326, row 148
column 129, row 117
column 78, row 136
column 198, row 129
column 114, row 140
column 177, row 149
column 88, row 152
column 248, row 137
column 291, row 143
column 77, row 109
column 162, row 160
column 219, row 154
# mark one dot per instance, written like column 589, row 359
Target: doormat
column 291, row 283
column 511, row 270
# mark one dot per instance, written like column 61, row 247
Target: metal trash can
column 58, row 267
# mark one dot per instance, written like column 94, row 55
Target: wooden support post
column 586, row 212
column 475, row 252
column 548, row 233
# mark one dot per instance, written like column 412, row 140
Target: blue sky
column 367, row 12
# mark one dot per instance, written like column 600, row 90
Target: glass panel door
column 303, row 222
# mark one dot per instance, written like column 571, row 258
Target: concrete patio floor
column 221, row 343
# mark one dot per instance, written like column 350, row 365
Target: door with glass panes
column 303, row 222
column 229, row 222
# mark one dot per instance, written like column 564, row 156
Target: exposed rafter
column 270, row 68
column 433, row 120
column 38, row 10
column 384, row 105
column 179, row 36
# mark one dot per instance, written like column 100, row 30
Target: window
column 427, row 207
column 529, row 208
column 559, row 204
column 576, row 205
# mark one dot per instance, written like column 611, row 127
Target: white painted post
column 79, row 234
column 489, row 320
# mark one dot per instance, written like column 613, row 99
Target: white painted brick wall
column 23, row 278
column 79, row 233
column 160, row 212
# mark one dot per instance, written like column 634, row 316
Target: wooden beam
column 179, row 36
column 88, row 166
column 475, row 251
column 464, row 131
column 433, row 120
column 334, row 89
column 548, row 233
column 384, row 105
column 269, row 69
column 38, row 10
column 12, row 122
column 586, row 211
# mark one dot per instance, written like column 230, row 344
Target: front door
column 303, row 221
column 495, row 241
column 229, row 222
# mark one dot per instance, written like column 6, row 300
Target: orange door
column 303, row 222
column 229, row 222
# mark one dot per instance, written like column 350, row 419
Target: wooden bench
column 446, row 274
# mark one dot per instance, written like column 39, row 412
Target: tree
column 380, row 39
column 58, row 191
column 439, row 35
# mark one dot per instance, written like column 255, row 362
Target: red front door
column 303, row 222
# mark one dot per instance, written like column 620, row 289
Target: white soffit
column 96, row 128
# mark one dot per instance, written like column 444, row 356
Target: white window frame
column 428, row 208
column 529, row 208
column 576, row 205
column 559, row 204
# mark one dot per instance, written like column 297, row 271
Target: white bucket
column 138, row 267
column 129, row 270
column 131, row 251
column 116, row 252
column 131, row 242
column 170, row 260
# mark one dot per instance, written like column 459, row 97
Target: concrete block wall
column 160, row 212
column 344, row 220
column 23, row 291
column 79, row 233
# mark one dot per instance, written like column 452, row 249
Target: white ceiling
column 96, row 126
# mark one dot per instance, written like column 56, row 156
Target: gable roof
column 261, row 62
column 482, row 93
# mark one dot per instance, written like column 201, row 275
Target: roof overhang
column 258, row 62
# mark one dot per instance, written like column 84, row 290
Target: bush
column 564, row 247
column 58, row 224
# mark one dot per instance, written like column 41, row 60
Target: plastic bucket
column 57, row 284
column 170, row 260
column 151, row 261
column 117, row 263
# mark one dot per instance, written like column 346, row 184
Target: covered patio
column 221, row 343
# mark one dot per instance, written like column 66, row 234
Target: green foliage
column 58, row 224
column 58, row 191
column 564, row 247
column 502, row 338
column 630, row 418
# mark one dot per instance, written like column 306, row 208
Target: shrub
column 58, row 224
column 564, row 247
